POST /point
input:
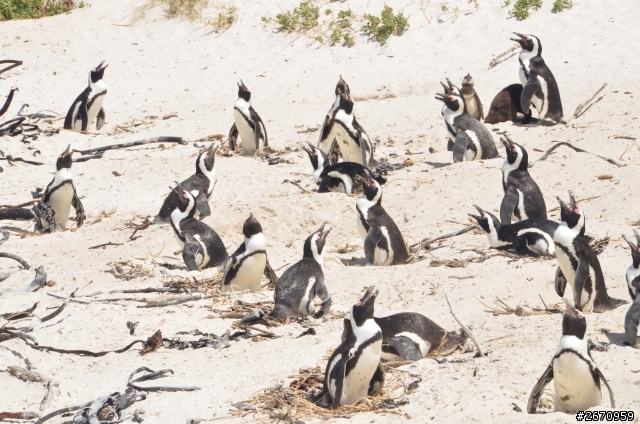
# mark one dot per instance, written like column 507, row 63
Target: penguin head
column 64, row 160
column 517, row 156
column 186, row 202
column 206, row 159
column 251, row 227
column 572, row 214
column 528, row 42
column 346, row 103
column 486, row 220
column 315, row 243
column 371, row 189
column 342, row 88
column 243, row 92
column 453, row 100
column 363, row 308
column 574, row 322
column 635, row 251
column 97, row 73
column 467, row 84
column 319, row 160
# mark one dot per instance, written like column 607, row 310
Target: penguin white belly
column 362, row 208
column 632, row 273
column 349, row 149
column 356, row 384
column 247, row 135
column 575, row 389
column 202, row 258
column 347, row 184
column 564, row 262
column 306, row 303
column 542, row 105
column 93, row 111
column 382, row 257
column 249, row 274
column 60, row 202
column 76, row 122
column 213, row 179
column 523, row 77
column 544, row 245
column 523, row 214
column 423, row 347
column 472, row 105
column 470, row 154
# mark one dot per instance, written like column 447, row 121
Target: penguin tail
column 608, row 304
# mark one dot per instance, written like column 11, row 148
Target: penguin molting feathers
column 88, row 105
column 471, row 98
column 200, row 185
column 576, row 376
column 473, row 141
column 248, row 125
column 298, row 286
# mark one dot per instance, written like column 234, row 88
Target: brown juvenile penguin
column 471, row 98
column 506, row 105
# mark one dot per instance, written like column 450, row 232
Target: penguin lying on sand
column 576, row 376
column 353, row 367
column 200, row 185
column 248, row 263
column 52, row 211
column 88, row 106
column 505, row 106
column 248, row 124
column 201, row 245
column 342, row 177
column 298, row 286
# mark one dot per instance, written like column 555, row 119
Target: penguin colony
column 343, row 161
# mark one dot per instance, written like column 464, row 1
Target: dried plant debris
column 203, row 285
column 206, row 340
column 152, row 344
column 127, row 270
column 52, row 386
column 502, row 308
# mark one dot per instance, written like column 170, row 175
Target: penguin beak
column 311, row 151
column 573, row 312
column 213, row 148
column 482, row 214
column 631, row 245
column 441, row 97
column 100, row 67
column 324, row 234
column 562, row 204
column 241, row 85
column 66, row 152
column 370, row 294
column 637, row 237
column 572, row 201
column 446, row 89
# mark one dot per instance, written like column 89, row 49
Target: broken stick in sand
column 464, row 327
column 577, row 149
column 160, row 139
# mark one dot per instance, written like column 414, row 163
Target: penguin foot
column 609, row 305
column 531, row 123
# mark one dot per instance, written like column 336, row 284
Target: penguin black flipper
column 582, row 273
column 377, row 381
column 631, row 322
column 560, row 282
column 405, row 348
column 100, row 119
column 606, row 383
column 84, row 115
column 233, row 137
column 82, row 99
column 375, row 240
column 521, row 246
column 508, row 205
column 270, row 274
column 259, row 130
column 202, row 204
column 450, row 145
column 190, row 251
column 534, row 398
column 77, row 205
column 321, row 291
column 529, row 90
column 338, row 375
column 460, row 147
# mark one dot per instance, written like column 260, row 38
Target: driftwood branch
column 160, row 139
column 10, row 159
column 103, row 245
column 580, row 110
column 577, row 149
column 79, row 352
column 62, row 411
column 152, row 375
column 14, row 64
column 496, row 60
column 464, row 327
column 17, row 258
column 426, row 242
column 173, row 301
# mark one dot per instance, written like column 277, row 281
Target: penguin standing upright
column 633, row 273
column 576, row 376
column 471, row 98
column 201, row 245
column 88, row 105
column 248, row 263
column 522, row 196
column 632, row 319
column 200, row 185
column 383, row 242
column 352, row 365
column 247, row 125
column 473, row 141
column 298, row 286
column 539, row 85
column 342, row 135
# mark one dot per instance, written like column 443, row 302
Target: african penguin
column 88, row 106
column 505, row 105
column 633, row 273
column 632, row 319
column 576, row 376
column 248, row 263
column 341, row 134
column 473, row 140
column 448, row 116
column 247, row 125
column 355, row 361
column 342, row 177
column 201, row 245
column 200, row 185
column 522, row 196
column 411, row 336
column 471, row 98
column 383, row 242
column 539, row 85
column 298, row 286
column 581, row 269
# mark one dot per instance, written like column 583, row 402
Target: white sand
column 160, row 66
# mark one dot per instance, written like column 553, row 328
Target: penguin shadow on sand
column 618, row 339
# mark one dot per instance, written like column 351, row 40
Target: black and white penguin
column 298, row 286
column 473, row 141
column 342, row 177
column 633, row 273
column 201, row 245
column 354, row 363
column 539, row 85
column 576, row 376
column 247, row 125
column 448, row 116
column 632, row 318
column 522, row 196
column 248, row 263
column 88, row 106
column 471, row 98
column 580, row 267
column 200, row 185
column 342, row 135
column 383, row 242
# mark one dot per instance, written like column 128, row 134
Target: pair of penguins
column 532, row 234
